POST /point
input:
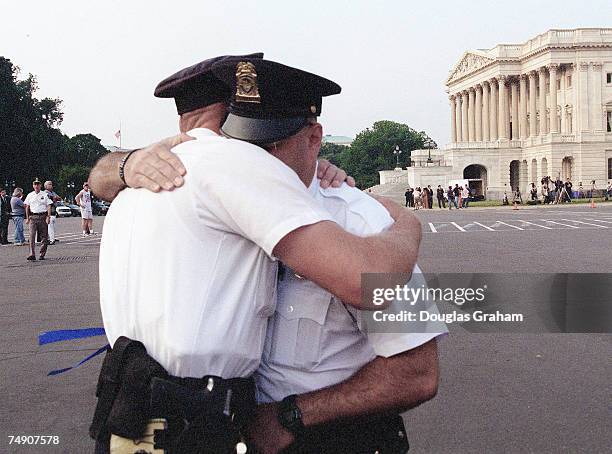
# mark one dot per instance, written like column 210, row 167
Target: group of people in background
column 557, row 191
column 459, row 196
column 38, row 211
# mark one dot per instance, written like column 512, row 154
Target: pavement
column 540, row 393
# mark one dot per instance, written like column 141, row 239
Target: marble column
column 501, row 109
column 542, row 79
column 486, row 90
column 458, row 118
column 598, row 123
column 478, row 114
column 554, row 122
column 583, row 92
column 523, row 106
column 464, row 116
column 453, row 119
column 515, row 114
column 533, row 131
column 493, row 109
column 471, row 115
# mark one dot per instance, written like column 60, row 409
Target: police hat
column 196, row 87
column 270, row 101
column 36, row 181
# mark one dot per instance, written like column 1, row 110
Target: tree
column 372, row 151
column 75, row 174
column 31, row 144
column 84, row 149
column 332, row 152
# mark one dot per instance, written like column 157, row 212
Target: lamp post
column 70, row 187
column 429, row 144
column 397, row 152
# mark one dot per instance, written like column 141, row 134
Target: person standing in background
column 83, row 199
column 451, row 198
column 18, row 214
column 465, row 196
column 440, row 197
column 38, row 216
column 54, row 198
column 425, row 198
column 5, row 215
column 429, row 196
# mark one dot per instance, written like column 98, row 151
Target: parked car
column 62, row 210
column 76, row 210
column 99, row 208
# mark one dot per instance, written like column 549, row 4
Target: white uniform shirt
column 189, row 273
column 85, row 200
column 315, row 341
column 38, row 202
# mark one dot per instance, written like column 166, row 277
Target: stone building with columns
column 523, row 111
column 519, row 112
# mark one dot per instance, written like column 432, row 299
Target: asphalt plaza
column 498, row 392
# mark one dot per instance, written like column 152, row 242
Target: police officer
column 314, row 341
column 38, row 216
column 55, row 199
column 239, row 209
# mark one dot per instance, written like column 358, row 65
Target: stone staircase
column 394, row 191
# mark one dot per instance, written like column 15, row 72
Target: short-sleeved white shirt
column 38, row 202
column 314, row 341
column 190, row 272
column 85, row 199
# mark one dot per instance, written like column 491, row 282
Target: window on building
column 610, row 168
column 558, row 84
column 609, row 121
column 569, row 81
column 537, row 91
column 609, row 78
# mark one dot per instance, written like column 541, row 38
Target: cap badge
column 246, row 83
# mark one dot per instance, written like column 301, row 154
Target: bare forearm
column 396, row 250
column 104, row 178
column 385, row 385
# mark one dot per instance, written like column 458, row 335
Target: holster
column 123, row 390
column 136, row 395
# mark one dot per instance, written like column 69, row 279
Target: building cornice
column 474, row 62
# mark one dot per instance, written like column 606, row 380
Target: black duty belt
column 44, row 213
column 133, row 388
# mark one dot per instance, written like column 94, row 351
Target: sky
column 104, row 58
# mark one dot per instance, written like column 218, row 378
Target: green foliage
column 332, row 152
column 31, row 145
column 372, row 150
column 84, row 149
column 76, row 174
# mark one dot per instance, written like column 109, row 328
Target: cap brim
column 261, row 131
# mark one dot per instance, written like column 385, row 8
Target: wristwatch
column 290, row 416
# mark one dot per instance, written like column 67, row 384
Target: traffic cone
column 515, row 206
column 592, row 202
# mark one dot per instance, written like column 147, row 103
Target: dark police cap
column 196, row 87
column 270, row 101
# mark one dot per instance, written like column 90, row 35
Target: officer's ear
column 315, row 136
